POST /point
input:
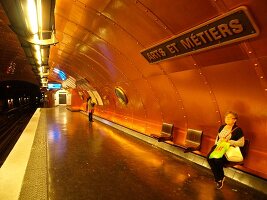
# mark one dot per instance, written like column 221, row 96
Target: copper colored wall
column 100, row 42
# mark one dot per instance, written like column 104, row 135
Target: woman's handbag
column 220, row 150
column 233, row 154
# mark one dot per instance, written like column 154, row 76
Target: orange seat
column 165, row 134
column 192, row 141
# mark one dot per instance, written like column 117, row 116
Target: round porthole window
column 121, row 95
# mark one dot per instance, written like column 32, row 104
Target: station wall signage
column 234, row 26
column 54, row 86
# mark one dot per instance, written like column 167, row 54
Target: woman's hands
column 223, row 140
column 232, row 142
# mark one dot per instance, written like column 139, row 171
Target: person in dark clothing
column 231, row 133
column 91, row 111
column 89, row 107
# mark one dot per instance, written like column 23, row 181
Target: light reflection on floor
column 94, row 161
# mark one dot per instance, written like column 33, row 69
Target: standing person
column 91, row 111
column 89, row 107
column 231, row 133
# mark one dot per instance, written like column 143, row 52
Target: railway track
column 12, row 124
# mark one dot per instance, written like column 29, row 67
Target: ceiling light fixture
column 33, row 22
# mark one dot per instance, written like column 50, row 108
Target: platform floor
column 77, row 160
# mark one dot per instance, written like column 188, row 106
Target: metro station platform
column 60, row 155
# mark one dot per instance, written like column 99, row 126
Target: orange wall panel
column 99, row 43
column 76, row 101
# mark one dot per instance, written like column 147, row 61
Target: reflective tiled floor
column 93, row 161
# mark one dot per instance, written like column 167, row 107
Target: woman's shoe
column 219, row 184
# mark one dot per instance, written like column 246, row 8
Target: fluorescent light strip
column 32, row 16
column 32, row 19
column 56, row 70
column 40, row 19
column 38, row 54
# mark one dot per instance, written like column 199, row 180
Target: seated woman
column 231, row 133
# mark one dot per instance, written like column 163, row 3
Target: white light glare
column 32, row 16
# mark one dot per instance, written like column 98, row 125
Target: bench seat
column 192, row 141
column 165, row 134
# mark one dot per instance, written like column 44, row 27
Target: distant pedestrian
column 89, row 106
column 91, row 112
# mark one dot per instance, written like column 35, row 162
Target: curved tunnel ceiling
column 100, row 44
column 101, row 41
